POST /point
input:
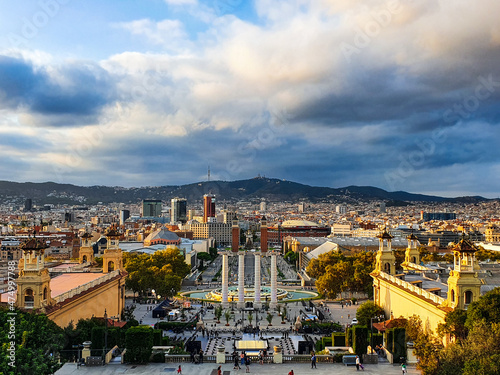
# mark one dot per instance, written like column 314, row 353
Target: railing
column 412, row 288
column 82, row 288
column 417, row 267
column 304, row 358
column 177, row 358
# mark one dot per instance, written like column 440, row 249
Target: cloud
column 54, row 95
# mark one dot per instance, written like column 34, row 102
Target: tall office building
column 263, row 206
column 208, row 208
column 28, row 204
column 124, row 215
column 178, row 211
column 151, row 207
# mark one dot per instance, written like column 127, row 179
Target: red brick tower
column 235, row 242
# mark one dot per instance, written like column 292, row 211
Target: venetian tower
column 33, row 283
column 385, row 260
column 464, row 287
column 86, row 253
column 112, row 257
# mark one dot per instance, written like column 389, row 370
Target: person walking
column 357, row 363
column 291, row 372
column 313, row 360
column 236, row 363
column 247, row 364
column 219, row 371
column 179, row 370
column 403, row 368
column 201, row 356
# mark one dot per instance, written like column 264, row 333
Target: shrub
column 338, row 339
column 139, row 344
column 360, row 340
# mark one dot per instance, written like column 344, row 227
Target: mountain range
column 270, row 189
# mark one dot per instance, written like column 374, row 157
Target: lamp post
column 105, row 333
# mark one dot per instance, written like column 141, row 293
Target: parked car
column 354, row 321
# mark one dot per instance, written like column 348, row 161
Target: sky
column 398, row 94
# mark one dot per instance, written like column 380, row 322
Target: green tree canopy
column 367, row 311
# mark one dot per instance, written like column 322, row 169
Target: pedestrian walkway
column 206, row 369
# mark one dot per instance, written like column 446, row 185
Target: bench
column 349, row 360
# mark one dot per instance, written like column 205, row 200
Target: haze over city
column 401, row 95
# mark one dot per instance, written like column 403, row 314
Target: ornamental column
column 241, row 280
column 256, row 302
column 274, row 282
column 225, row 286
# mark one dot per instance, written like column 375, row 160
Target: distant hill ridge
column 271, row 189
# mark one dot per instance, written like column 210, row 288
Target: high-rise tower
column 208, row 208
column 178, row 211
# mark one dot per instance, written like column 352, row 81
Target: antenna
column 209, row 173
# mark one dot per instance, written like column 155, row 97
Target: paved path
column 191, row 369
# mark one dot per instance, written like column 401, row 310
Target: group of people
column 197, row 357
column 242, row 359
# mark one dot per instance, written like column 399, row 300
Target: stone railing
column 412, row 288
column 304, row 358
column 82, row 288
column 417, row 267
column 176, row 358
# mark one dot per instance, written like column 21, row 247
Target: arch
column 29, row 298
column 387, row 268
column 84, row 259
column 453, row 295
column 414, row 259
column 111, row 266
column 45, row 293
column 468, row 297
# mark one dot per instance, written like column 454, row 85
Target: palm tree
column 269, row 318
column 227, row 316
column 218, row 313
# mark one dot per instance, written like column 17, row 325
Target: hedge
column 398, row 348
column 338, row 339
column 157, row 337
column 139, row 344
column 360, row 340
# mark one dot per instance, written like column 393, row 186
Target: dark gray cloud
column 75, row 92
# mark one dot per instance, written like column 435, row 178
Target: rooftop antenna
column 209, row 173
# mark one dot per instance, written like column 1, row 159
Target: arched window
column 452, row 295
column 29, row 298
column 84, row 258
column 45, row 293
column 468, row 297
column 414, row 259
column 387, row 268
column 111, row 266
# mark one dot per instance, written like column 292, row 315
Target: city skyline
column 397, row 95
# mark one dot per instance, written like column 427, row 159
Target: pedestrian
column 242, row 358
column 403, row 368
column 357, row 363
column 313, row 360
column 291, row 372
column 219, row 371
column 201, row 356
column 261, row 357
column 179, row 370
column 247, row 364
column 236, row 363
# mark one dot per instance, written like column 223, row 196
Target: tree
column 269, row 318
column 250, row 318
column 204, row 257
column 486, row 309
column 36, row 343
column 283, row 314
column 367, row 311
column 218, row 313
column 454, row 324
column 227, row 316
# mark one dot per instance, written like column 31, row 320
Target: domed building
column 162, row 236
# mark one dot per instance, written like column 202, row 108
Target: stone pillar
column 225, row 284
column 274, row 282
column 241, row 280
column 221, row 355
column 278, row 354
column 256, row 302
column 86, row 350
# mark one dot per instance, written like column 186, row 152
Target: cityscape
column 215, row 186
